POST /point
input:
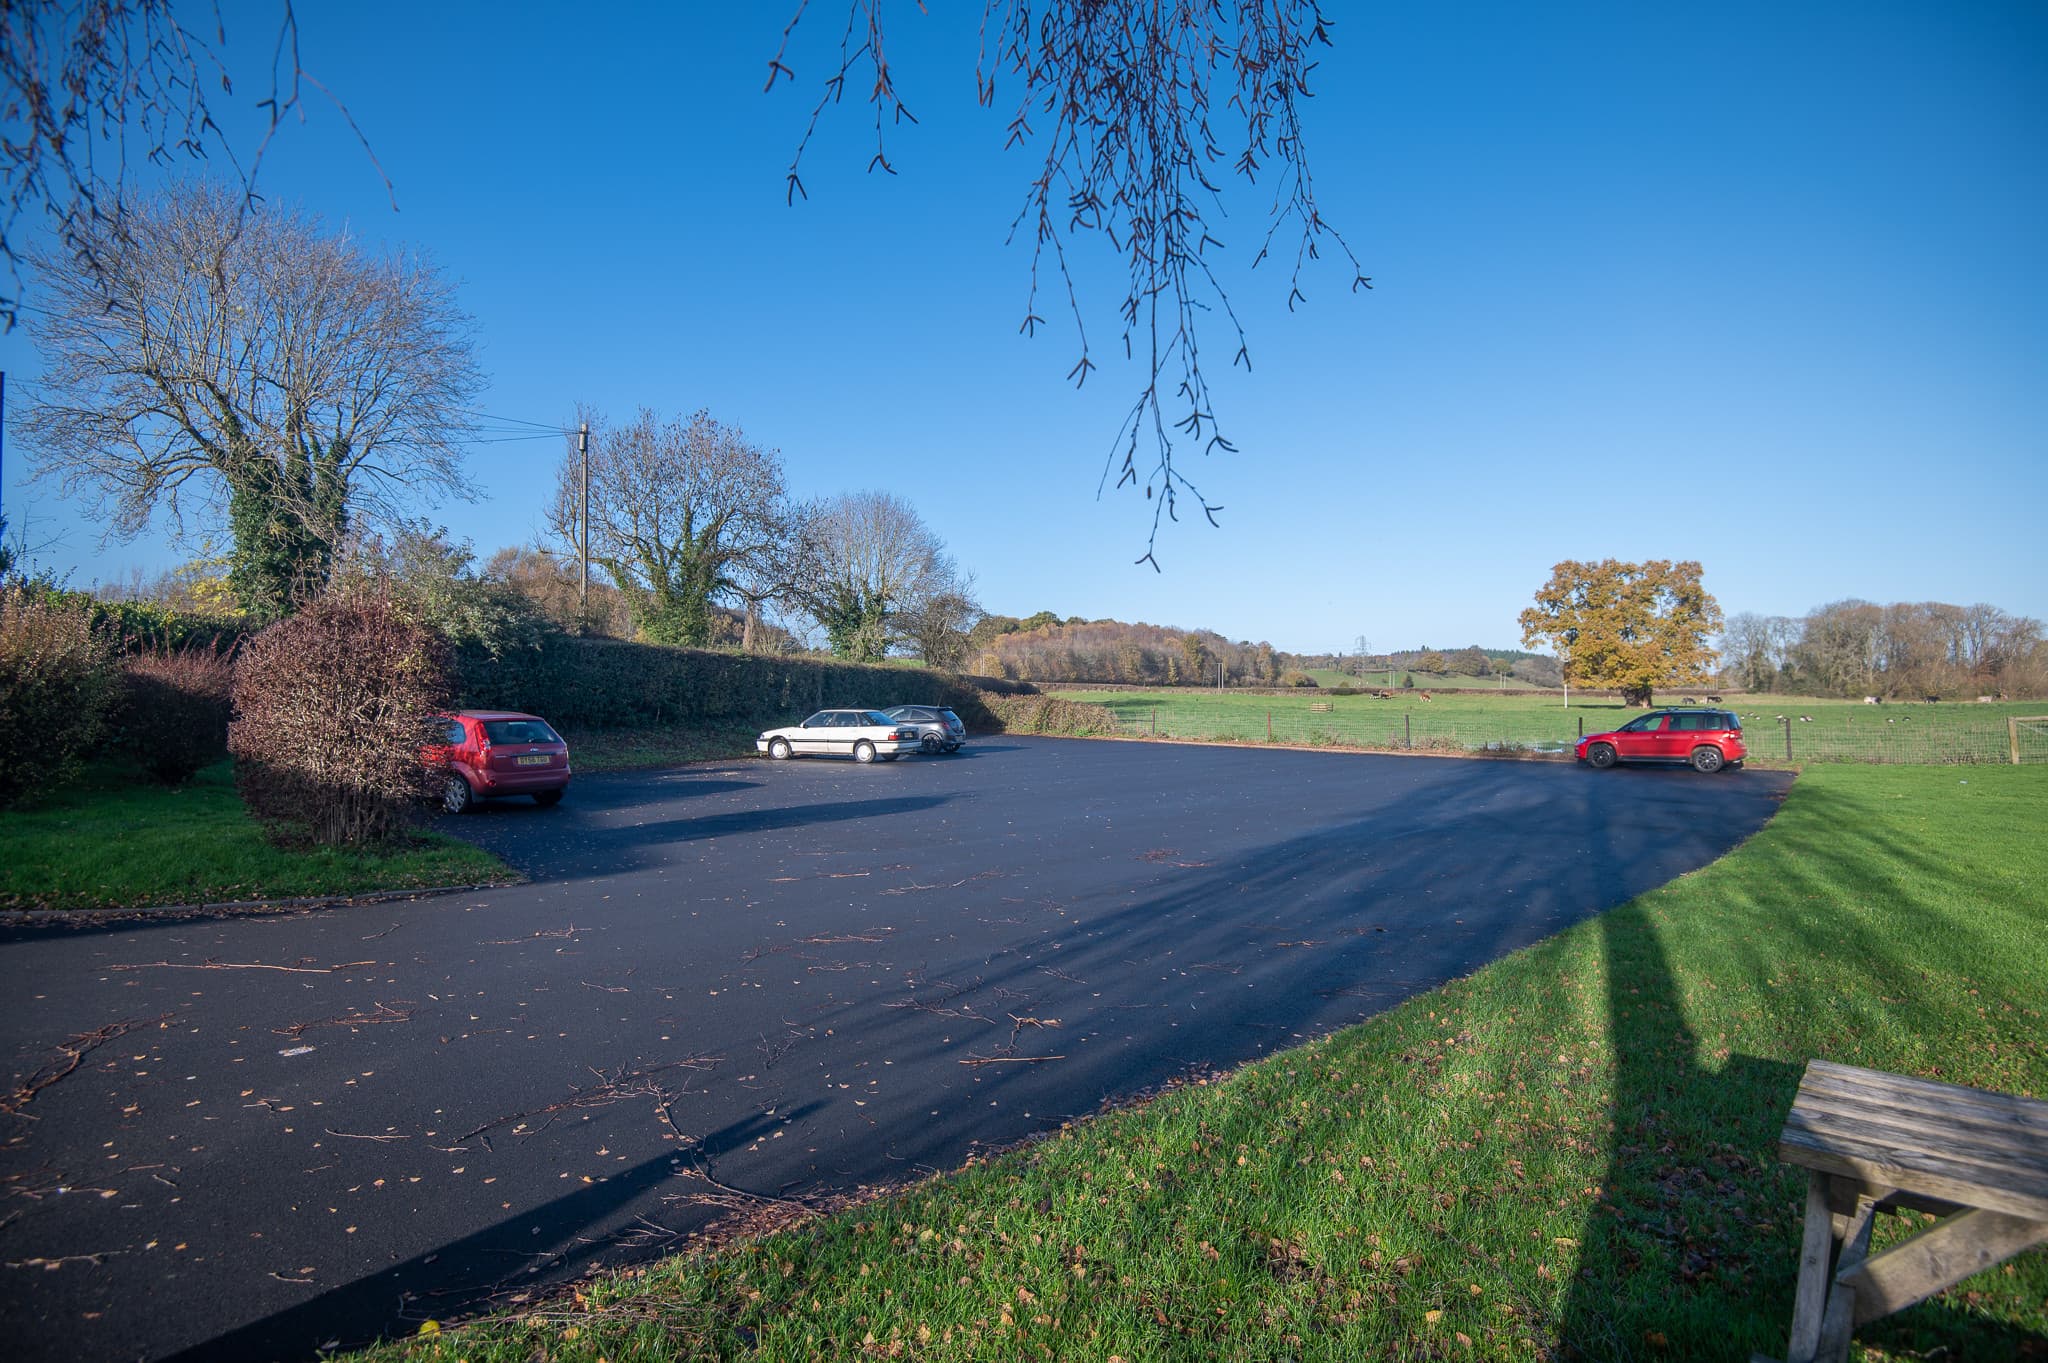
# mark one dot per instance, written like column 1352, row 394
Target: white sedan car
column 863, row 735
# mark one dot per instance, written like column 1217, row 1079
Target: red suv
column 488, row 753
column 1708, row 739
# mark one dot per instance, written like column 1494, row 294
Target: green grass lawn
column 114, row 840
column 1568, row 1154
column 1468, row 720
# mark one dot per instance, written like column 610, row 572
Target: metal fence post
column 1408, row 724
column 1582, row 726
column 1787, row 721
column 1269, row 726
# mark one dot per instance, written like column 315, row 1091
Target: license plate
column 539, row 759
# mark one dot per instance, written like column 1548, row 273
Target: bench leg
column 1816, row 1271
column 1840, row 1321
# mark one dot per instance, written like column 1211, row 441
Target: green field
column 1569, row 1154
column 1473, row 720
column 1424, row 681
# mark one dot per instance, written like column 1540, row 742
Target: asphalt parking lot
column 255, row 1137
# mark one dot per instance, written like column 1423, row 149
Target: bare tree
column 252, row 364
column 937, row 620
column 774, row 578
column 871, row 558
column 1127, row 98
column 86, row 86
column 677, row 510
column 550, row 581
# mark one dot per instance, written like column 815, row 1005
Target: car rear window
column 949, row 716
column 1727, row 719
column 519, row 731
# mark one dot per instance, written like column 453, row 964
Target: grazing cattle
column 1983, row 700
column 1713, row 700
column 1425, row 695
column 1872, row 700
column 1934, row 700
column 1689, row 701
column 1806, row 719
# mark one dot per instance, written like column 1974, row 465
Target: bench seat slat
column 1866, row 1153
column 1959, row 1140
column 1927, row 1096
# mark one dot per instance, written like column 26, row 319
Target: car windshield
column 1641, row 725
column 520, row 731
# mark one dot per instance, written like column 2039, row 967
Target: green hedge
column 612, row 684
column 143, row 626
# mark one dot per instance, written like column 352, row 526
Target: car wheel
column 933, row 744
column 456, row 796
column 547, row 799
column 863, row 751
column 778, row 748
column 1705, row 759
column 1600, row 756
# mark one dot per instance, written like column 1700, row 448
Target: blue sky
column 1756, row 284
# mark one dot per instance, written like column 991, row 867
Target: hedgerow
column 613, row 684
column 174, row 710
column 57, row 689
column 332, row 708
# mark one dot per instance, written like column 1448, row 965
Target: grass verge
column 1568, row 1154
column 114, row 840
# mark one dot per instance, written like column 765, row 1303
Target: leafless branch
column 1126, row 99
column 71, row 1054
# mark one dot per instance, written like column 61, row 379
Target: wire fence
column 1956, row 735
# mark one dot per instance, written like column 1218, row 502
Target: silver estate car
column 939, row 729
column 863, row 735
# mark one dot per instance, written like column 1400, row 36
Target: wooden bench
column 1873, row 1142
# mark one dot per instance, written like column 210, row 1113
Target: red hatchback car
column 1708, row 739
column 489, row 753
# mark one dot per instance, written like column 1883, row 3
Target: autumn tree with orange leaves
column 1631, row 626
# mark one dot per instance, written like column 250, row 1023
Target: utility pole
column 583, row 529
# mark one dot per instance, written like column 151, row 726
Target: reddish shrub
column 56, row 689
column 332, row 707
column 174, row 710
